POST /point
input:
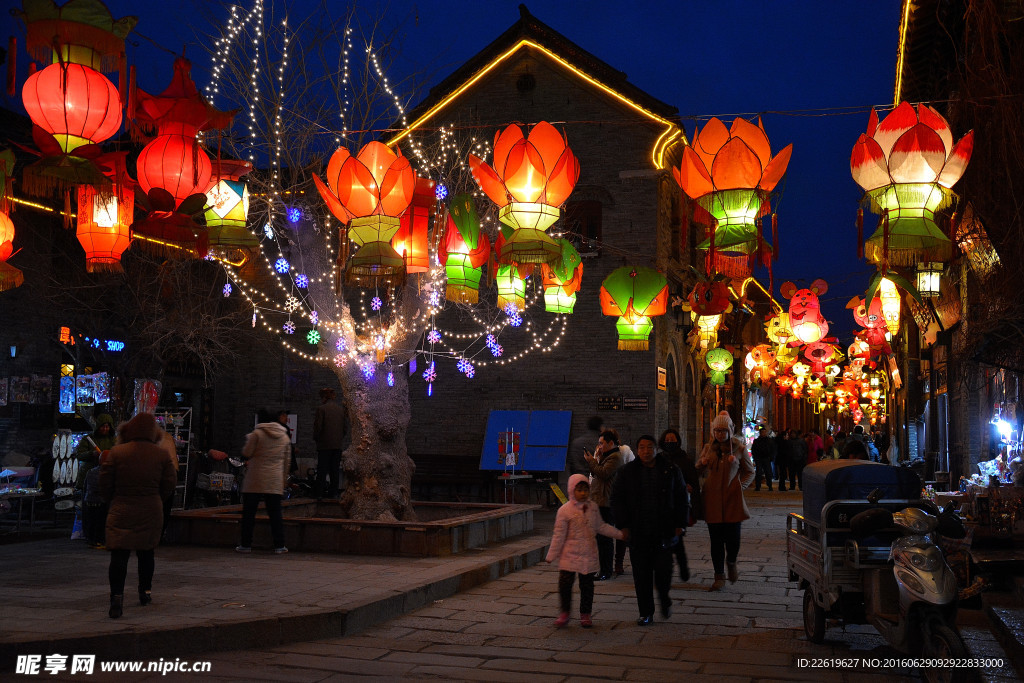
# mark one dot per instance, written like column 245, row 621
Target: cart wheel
column 814, row 618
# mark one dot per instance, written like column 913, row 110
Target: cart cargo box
column 854, row 480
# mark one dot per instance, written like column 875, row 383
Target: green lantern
column 463, row 251
column 635, row 295
column 562, row 280
column 719, row 361
column 511, row 287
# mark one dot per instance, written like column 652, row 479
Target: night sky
column 812, row 69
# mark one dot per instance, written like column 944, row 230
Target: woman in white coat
column 574, row 545
column 267, row 453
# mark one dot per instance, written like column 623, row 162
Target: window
column 582, row 226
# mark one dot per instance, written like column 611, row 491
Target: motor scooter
column 911, row 598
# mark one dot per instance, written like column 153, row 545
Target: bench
column 448, row 477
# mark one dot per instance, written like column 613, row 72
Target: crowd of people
column 648, row 503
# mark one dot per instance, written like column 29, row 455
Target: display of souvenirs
column 42, row 390
column 21, row 389
column 83, row 390
column 101, row 387
column 66, row 403
column 147, row 394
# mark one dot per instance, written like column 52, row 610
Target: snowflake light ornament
column 369, row 369
column 314, row 317
column 340, row 344
column 440, row 192
column 313, row 337
column 434, row 337
column 340, row 360
column 496, row 350
column 379, row 342
column 511, row 309
column 491, row 340
column 391, row 379
column 470, row 371
column 430, row 374
column 282, row 266
column 515, row 320
column 227, row 289
column 435, row 299
column 291, row 304
column 268, row 231
column 376, row 303
column 289, row 327
column 463, row 365
column 301, row 281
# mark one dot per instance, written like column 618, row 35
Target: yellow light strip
column 657, row 154
column 901, row 53
column 43, row 207
column 743, row 291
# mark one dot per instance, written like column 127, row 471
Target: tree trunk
column 378, row 470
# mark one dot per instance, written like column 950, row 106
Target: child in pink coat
column 574, row 544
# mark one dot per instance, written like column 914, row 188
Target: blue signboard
column 534, row 440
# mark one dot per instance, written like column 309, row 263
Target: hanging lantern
column 562, row 280
column 719, row 361
column 709, row 296
column 511, row 283
column 890, row 298
column 75, row 104
column 80, row 32
column 907, row 164
column 369, row 192
column 778, row 330
column 531, row 178
column 105, row 215
column 973, row 240
column 10, row 277
column 928, row 277
column 805, row 310
column 730, row 173
column 760, row 362
column 707, row 329
column 411, row 239
column 227, row 209
column 174, row 172
column 464, row 251
column 635, row 295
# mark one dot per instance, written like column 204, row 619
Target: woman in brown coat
column 267, row 452
column 136, row 477
column 727, row 469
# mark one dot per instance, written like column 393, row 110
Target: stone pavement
column 486, row 615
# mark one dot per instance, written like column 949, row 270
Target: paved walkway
column 485, row 615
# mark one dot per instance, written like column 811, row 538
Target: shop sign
column 662, row 379
column 609, row 403
column 635, row 403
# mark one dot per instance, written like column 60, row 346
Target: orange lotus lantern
column 411, row 239
column 369, row 192
column 105, row 215
column 907, row 164
column 10, row 277
column 729, row 173
column 531, row 178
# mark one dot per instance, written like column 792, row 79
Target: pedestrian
column 94, row 510
column 855, row 450
column 574, row 545
column 728, row 470
column 330, row 429
column 815, row 446
column 764, row 451
column 136, row 476
column 620, row 545
column 576, row 461
column 782, row 458
column 651, row 509
column 92, row 446
column 604, row 464
column 797, row 451
column 670, row 445
column 266, row 471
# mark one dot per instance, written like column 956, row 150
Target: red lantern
column 75, row 104
column 10, row 277
column 411, row 239
column 174, row 163
column 104, row 217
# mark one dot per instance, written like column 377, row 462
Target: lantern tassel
column 10, row 277
column 12, row 65
column 67, row 210
column 122, row 78
column 885, row 237
column 860, row 232
column 775, row 237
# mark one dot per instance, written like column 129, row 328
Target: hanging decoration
column 760, row 364
column 730, row 173
column 710, row 296
column 464, row 251
column 174, row 172
column 884, row 285
column 821, row 355
column 105, row 216
column 562, row 279
column 368, row 193
column 705, row 332
column 907, row 164
column 531, row 178
column 635, row 295
column 227, row 208
column 10, row 277
column 73, row 106
column 973, row 240
column 873, row 322
column 805, row 317
column 411, row 239
column 510, row 279
column 719, row 361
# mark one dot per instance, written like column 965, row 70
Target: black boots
column 116, row 603
column 145, row 597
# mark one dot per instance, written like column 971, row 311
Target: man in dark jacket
column 330, row 428
column 763, row 451
column 650, row 506
column 782, row 457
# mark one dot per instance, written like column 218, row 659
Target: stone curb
column 274, row 631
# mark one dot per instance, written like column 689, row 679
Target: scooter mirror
column 950, row 524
